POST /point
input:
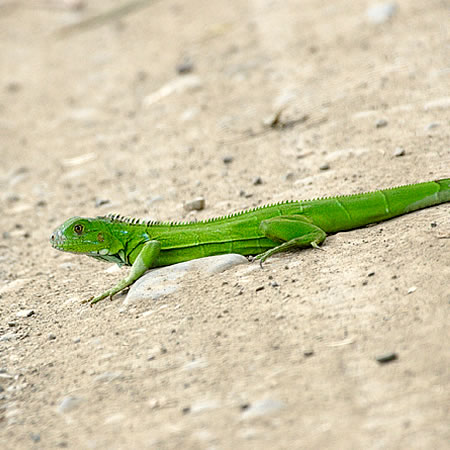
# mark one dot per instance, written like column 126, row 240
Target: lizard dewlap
column 262, row 231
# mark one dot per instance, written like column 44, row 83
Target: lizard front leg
column 295, row 231
column 144, row 261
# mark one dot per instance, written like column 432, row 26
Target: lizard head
column 86, row 236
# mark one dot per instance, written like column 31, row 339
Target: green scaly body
column 261, row 231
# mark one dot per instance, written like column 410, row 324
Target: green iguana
column 262, row 231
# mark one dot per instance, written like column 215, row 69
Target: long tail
column 354, row 211
column 405, row 199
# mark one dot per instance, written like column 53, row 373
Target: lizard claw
column 87, row 300
column 315, row 245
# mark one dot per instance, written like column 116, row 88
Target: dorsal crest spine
column 118, row 218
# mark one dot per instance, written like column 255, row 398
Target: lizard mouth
column 57, row 239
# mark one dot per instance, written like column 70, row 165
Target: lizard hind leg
column 295, row 231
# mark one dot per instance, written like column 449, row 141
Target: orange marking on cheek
column 100, row 237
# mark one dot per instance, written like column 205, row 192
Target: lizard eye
column 78, row 228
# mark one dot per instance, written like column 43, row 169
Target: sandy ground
column 101, row 121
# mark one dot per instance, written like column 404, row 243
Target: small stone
column 381, row 123
column 8, row 337
column 412, row 289
column 399, row 151
column 86, row 116
column 35, row 437
column 273, row 120
column 79, row 160
column 25, row 313
column 101, row 201
column 308, row 353
column 68, row 404
column 257, row 181
column 380, row 13
column 371, row 274
column 227, row 159
column 440, row 103
column 259, row 288
column 195, row 205
column 12, row 197
column 204, row 405
column 432, row 126
column 185, row 66
column 386, row 357
column 324, row 166
column 187, row 83
column 51, row 336
column 186, row 410
column 155, row 199
column 154, row 403
column 244, row 194
column 262, row 407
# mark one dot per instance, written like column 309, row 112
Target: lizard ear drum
column 100, row 237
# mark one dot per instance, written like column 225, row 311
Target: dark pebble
column 227, row 159
column 185, row 67
column 100, row 201
column 387, row 357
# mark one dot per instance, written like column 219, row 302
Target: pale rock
column 166, row 280
column 380, row 13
